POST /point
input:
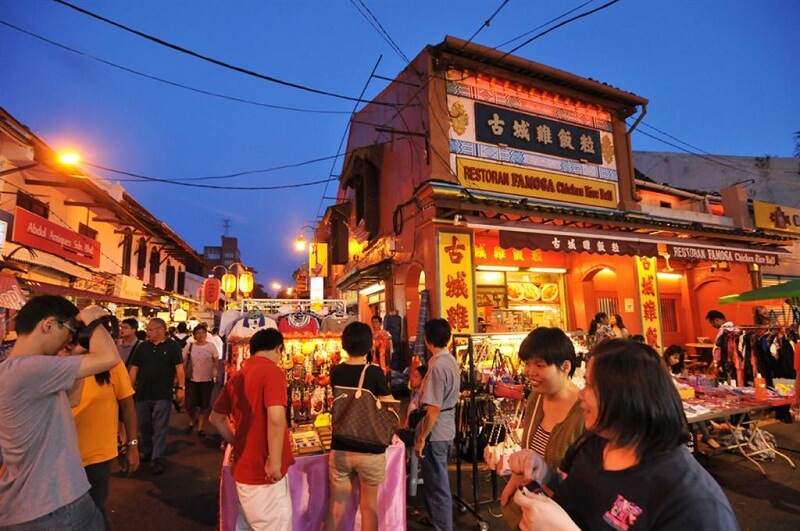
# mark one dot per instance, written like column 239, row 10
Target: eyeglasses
column 71, row 329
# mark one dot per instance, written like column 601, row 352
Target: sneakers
column 157, row 466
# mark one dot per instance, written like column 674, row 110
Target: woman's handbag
column 507, row 390
column 188, row 368
column 362, row 420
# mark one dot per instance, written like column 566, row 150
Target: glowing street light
column 69, row 158
column 301, row 243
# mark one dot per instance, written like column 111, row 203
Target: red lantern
column 211, row 289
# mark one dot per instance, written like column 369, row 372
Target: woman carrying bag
column 350, row 458
column 200, row 363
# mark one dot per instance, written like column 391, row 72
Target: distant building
column 226, row 254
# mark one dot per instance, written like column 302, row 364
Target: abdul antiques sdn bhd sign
column 40, row 233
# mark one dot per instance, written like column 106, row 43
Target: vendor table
column 749, row 416
column 308, row 484
column 703, row 350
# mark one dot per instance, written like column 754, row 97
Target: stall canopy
column 788, row 290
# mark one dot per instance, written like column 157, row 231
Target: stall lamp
column 558, row 270
column 228, row 284
column 375, row 288
column 300, row 243
column 669, row 276
column 496, row 268
column 246, row 283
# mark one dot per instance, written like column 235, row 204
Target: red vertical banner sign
column 650, row 308
column 456, row 280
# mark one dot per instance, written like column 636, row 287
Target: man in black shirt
column 155, row 367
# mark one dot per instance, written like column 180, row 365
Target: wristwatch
column 133, row 442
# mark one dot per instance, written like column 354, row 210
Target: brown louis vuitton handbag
column 361, row 420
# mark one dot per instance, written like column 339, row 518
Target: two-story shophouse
column 506, row 189
column 72, row 233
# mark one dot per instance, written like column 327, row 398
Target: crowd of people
column 72, row 400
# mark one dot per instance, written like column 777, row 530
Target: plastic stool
column 413, row 474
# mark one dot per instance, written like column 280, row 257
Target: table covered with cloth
column 308, row 484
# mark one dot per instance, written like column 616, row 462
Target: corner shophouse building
column 80, row 236
column 506, row 188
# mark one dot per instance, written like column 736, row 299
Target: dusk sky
column 721, row 76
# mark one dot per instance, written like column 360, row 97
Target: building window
column 155, row 262
column 31, row 204
column 127, row 252
column 607, row 305
column 669, row 315
column 87, row 231
column 141, row 259
column 169, row 283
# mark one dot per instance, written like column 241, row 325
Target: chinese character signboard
column 648, row 299
column 567, row 243
column 540, row 184
column 498, row 125
column 39, row 233
column 11, row 295
column 776, row 217
column 456, row 280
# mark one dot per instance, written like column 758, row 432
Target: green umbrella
column 788, row 290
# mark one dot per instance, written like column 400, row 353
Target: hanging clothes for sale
column 393, row 324
column 298, row 322
column 336, row 322
column 250, row 324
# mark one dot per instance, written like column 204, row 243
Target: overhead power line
column 375, row 23
column 217, row 62
column 167, row 81
column 537, row 28
column 488, row 21
column 209, row 186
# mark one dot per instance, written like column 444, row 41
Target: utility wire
column 543, row 25
column 344, row 137
column 167, row 81
column 218, row 62
column 488, row 21
column 379, row 28
column 209, row 186
column 545, row 32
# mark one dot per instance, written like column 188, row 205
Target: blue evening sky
column 720, row 75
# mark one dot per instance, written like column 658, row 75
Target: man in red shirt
column 256, row 398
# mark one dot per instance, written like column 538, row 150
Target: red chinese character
column 649, row 310
column 455, row 251
column 651, row 336
column 458, row 317
column 457, row 287
column 648, row 288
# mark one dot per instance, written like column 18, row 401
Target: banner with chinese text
column 456, row 280
column 776, row 217
column 648, row 302
column 318, row 260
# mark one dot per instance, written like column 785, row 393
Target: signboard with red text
column 456, row 280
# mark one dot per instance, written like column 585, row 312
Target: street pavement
column 186, row 495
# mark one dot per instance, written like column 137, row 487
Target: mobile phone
column 533, row 487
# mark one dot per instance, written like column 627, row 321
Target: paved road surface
column 185, row 496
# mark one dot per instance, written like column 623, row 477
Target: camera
column 84, row 332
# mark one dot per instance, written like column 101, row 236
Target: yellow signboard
column 456, row 280
column 540, row 184
column 318, row 260
column 776, row 217
column 648, row 298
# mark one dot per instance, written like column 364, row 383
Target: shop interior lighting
column 375, row 288
column 496, row 268
column 671, row 276
column 547, row 270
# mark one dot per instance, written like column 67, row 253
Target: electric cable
column 488, row 21
column 217, row 62
column 540, row 26
column 380, row 29
column 167, row 81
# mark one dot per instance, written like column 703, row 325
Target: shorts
column 370, row 468
column 198, row 395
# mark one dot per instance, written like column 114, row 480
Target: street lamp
column 301, row 243
column 276, row 286
column 67, row 158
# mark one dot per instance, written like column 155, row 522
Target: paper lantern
column 228, row 283
column 211, row 289
column 246, row 282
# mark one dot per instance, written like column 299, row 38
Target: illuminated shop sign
column 649, row 308
column 720, row 254
column 501, row 126
column 456, row 280
column 576, row 244
column 776, row 217
column 513, row 180
column 489, row 251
